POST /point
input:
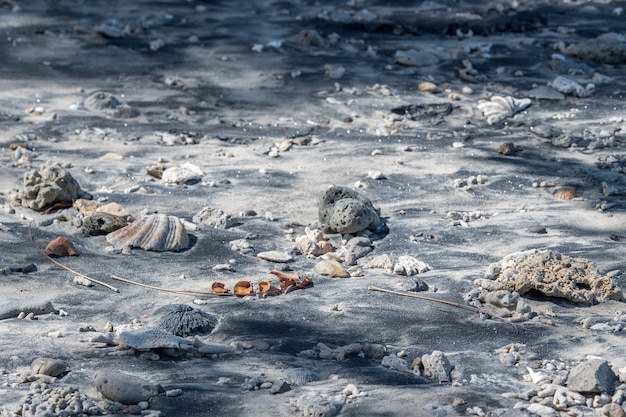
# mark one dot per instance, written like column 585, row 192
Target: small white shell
column 499, row 108
column 155, row 232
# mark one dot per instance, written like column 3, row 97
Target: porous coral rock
column 51, row 184
column 343, row 210
column 554, row 275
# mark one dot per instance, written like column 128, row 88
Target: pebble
column 48, row 366
column 428, row 87
column 174, row 392
column 123, row 388
column 275, row 256
column 592, row 376
column 413, row 58
column 540, row 230
column 330, row 268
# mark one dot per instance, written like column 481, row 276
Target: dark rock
column 102, row 224
column 279, row 387
column 592, row 376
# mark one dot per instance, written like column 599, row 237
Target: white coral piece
column 499, row 108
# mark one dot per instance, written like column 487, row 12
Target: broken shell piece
column 61, row 246
column 408, row 265
column 155, row 232
column 313, row 242
column 499, row 108
column 186, row 173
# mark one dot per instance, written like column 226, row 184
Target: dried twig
column 59, row 264
column 450, row 303
column 152, row 287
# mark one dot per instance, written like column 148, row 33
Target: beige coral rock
column 554, row 275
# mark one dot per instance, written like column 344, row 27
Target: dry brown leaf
column 304, row 283
column 219, row 288
column 61, row 246
column 265, row 286
column 242, row 288
column 284, row 276
column 285, row 285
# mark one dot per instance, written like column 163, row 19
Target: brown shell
column 155, row 232
column 61, row 246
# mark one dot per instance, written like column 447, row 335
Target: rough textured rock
column 343, row 210
column 11, row 307
column 123, row 388
column 437, row 366
column 608, row 48
column 592, row 376
column 51, row 184
column 356, row 248
column 101, row 223
column 215, row 218
column 554, row 275
column 183, row 320
column 101, row 100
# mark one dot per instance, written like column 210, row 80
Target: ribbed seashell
column 155, row 232
column 499, row 108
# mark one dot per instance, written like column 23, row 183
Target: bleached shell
column 155, row 232
column 499, row 108
column 151, row 338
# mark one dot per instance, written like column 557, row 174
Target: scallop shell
column 499, row 108
column 155, row 232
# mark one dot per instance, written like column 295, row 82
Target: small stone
column 275, row 256
column 415, row 58
column 280, row 387
column 48, row 366
column 428, row 87
column 540, row 230
column 508, row 148
column 592, row 376
column 330, row 268
column 123, row 388
column 613, row 410
column 174, row 392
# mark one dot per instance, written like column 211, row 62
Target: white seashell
column 155, row 232
column 408, row 265
column 499, row 108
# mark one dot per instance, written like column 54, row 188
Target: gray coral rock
column 343, row 210
column 123, row 388
column 147, row 338
column 51, row 184
column 183, row 320
column 437, row 366
column 101, row 223
column 554, row 275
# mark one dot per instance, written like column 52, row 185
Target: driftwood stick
column 60, row 265
column 152, row 287
column 450, row 303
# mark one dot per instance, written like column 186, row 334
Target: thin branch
column 59, row 264
column 152, row 287
column 450, row 303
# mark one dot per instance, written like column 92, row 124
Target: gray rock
column 147, row 338
column 343, row 210
column 356, row 248
column 51, row 184
column 592, row 376
column 101, row 100
column 123, row 388
column 301, row 376
column 279, row 387
column 101, row 223
column 48, row 366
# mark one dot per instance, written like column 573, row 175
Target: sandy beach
column 477, row 157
